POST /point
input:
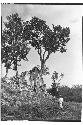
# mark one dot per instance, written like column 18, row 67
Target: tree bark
column 42, row 65
column 15, row 64
column 35, row 84
column 42, row 68
column 6, row 72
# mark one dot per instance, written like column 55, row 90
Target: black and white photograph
column 41, row 62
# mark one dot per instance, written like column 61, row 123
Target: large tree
column 44, row 39
column 13, row 48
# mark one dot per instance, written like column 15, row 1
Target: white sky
column 69, row 63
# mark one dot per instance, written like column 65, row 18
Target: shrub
column 20, row 101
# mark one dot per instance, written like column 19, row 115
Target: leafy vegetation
column 13, row 48
column 44, row 39
column 55, row 84
column 20, row 102
column 23, row 101
column 73, row 94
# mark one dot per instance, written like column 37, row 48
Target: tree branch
column 26, row 59
column 47, row 56
column 44, row 54
column 39, row 52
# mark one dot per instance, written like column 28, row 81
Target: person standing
column 61, row 102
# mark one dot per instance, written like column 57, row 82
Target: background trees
column 44, row 39
column 13, row 48
column 73, row 94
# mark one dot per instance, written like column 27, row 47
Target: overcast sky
column 69, row 63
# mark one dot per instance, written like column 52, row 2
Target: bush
column 20, row 101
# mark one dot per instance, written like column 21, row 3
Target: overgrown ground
column 24, row 104
column 50, row 112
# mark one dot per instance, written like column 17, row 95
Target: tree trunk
column 35, row 84
column 15, row 66
column 17, row 78
column 6, row 72
column 42, row 66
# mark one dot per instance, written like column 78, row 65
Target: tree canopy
column 44, row 39
column 17, row 35
column 13, row 48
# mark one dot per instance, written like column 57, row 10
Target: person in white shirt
column 61, row 102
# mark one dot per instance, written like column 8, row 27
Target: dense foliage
column 23, row 101
column 20, row 102
column 73, row 94
column 13, row 48
column 44, row 39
